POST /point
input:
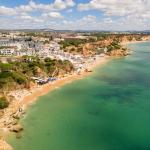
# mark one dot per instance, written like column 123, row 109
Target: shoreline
column 133, row 42
column 45, row 89
column 33, row 94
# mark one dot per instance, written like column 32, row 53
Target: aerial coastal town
column 74, row 74
column 32, row 61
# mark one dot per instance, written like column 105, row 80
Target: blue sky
column 75, row 14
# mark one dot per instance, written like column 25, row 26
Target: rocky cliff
column 119, row 52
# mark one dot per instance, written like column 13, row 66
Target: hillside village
column 40, row 56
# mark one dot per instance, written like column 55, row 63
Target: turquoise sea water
column 109, row 110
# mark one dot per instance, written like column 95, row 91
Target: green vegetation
column 92, row 39
column 31, row 34
column 138, row 38
column 130, row 38
column 19, row 73
column 54, row 67
column 10, row 80
column 3, row 103
column 5, row 67
column 113, row 46
column 72, row 42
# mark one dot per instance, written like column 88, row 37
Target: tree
column 47, row 59
column 5, row 67
column 3, row 102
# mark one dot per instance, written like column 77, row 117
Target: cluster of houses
column 19, row 48
column 41, row 47
column 9, row 47
column 42, row 81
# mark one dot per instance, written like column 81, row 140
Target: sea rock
column 16, row 128
column 18, row 135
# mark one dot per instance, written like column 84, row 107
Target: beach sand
column 24, row 97
column 42, row 90
column 132, row 42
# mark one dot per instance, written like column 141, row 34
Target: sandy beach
column 42, row 90
column 132, row 42
column 24, row 97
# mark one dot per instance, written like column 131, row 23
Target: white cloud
column 55, row 15
column 129, row 14
column 58, row 5
column 26, row 17
column 7, row 11
column 107, row 20
column 88, row 18
column 70, row 3
column 114, row 15
column 22, row 15
column 117, row 7
column 84, row 23
column 88, row 22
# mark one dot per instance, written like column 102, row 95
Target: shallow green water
column 110, row 110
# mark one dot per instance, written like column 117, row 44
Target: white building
column 7, row 51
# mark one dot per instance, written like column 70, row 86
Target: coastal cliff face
column 87, row 49
column 146, row 38
column 90, row 48
column 118, row 53
column 4, row 145
column 94, row 47
column 113, row 45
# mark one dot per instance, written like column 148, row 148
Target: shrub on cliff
column 5, row 67
column 72, row 42
column 19, row 78
column 3, row 103
column 113, row 46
